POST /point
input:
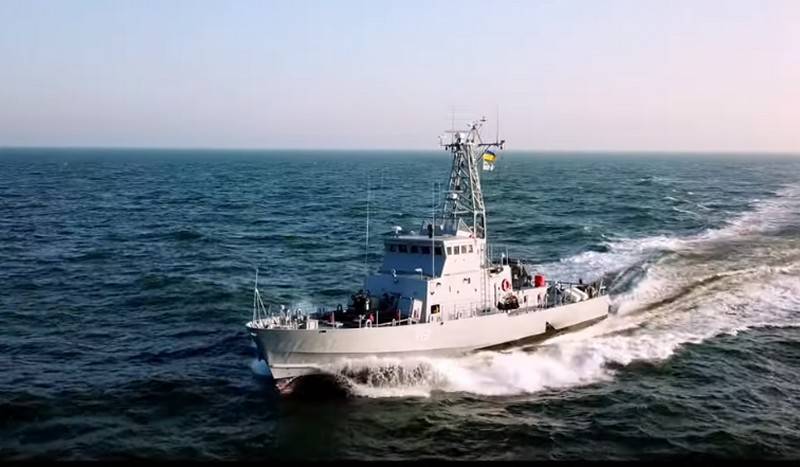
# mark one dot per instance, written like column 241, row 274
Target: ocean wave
column 685, row 292
column 186, row 234
column 765, row 216
column 593, row 355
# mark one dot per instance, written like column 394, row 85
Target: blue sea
column 126, row 279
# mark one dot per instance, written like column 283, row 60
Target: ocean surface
column 126, row 279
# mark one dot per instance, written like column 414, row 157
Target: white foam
column 588, row 356
column 620, row 255
column 676, row 302
column 685, row 211
column 765, row 215
column 768, row 214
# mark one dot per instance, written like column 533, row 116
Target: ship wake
column 674, row 292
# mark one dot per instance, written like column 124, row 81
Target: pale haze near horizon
column 691, row 75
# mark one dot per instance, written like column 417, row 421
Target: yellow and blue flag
column 489, row 159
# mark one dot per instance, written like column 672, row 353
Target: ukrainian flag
column 488, row 160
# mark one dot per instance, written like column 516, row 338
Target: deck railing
column 287, row 319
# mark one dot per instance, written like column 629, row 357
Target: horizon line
column 433, row 149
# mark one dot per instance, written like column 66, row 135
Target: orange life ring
column 505, row 285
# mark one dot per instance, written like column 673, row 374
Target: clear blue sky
column 721, row 75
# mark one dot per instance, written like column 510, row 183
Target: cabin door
column 409, row 307
column 416, row 310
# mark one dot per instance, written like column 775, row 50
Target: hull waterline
column 293, row 353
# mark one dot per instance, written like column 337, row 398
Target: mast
column 433, row 229
column 366, row 240
column 463, row 199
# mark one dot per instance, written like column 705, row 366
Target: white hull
column 296, row 352
column 441, row 282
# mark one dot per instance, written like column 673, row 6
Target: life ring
column 506, row 285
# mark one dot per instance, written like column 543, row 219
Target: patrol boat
column 438, row 292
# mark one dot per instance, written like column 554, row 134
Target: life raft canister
column 505, row 285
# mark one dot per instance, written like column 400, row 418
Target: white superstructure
column 437, row 292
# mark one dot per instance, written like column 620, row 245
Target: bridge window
column 402, row 248
column 464, row 249
column 438, row 251
column 391, row 247
column 426, row 250
column 455, row 250
column 449, row 250
column 414, row 249
column 470, row 248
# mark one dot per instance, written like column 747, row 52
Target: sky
column 572, row 75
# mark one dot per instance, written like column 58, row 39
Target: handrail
column 264, row 317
